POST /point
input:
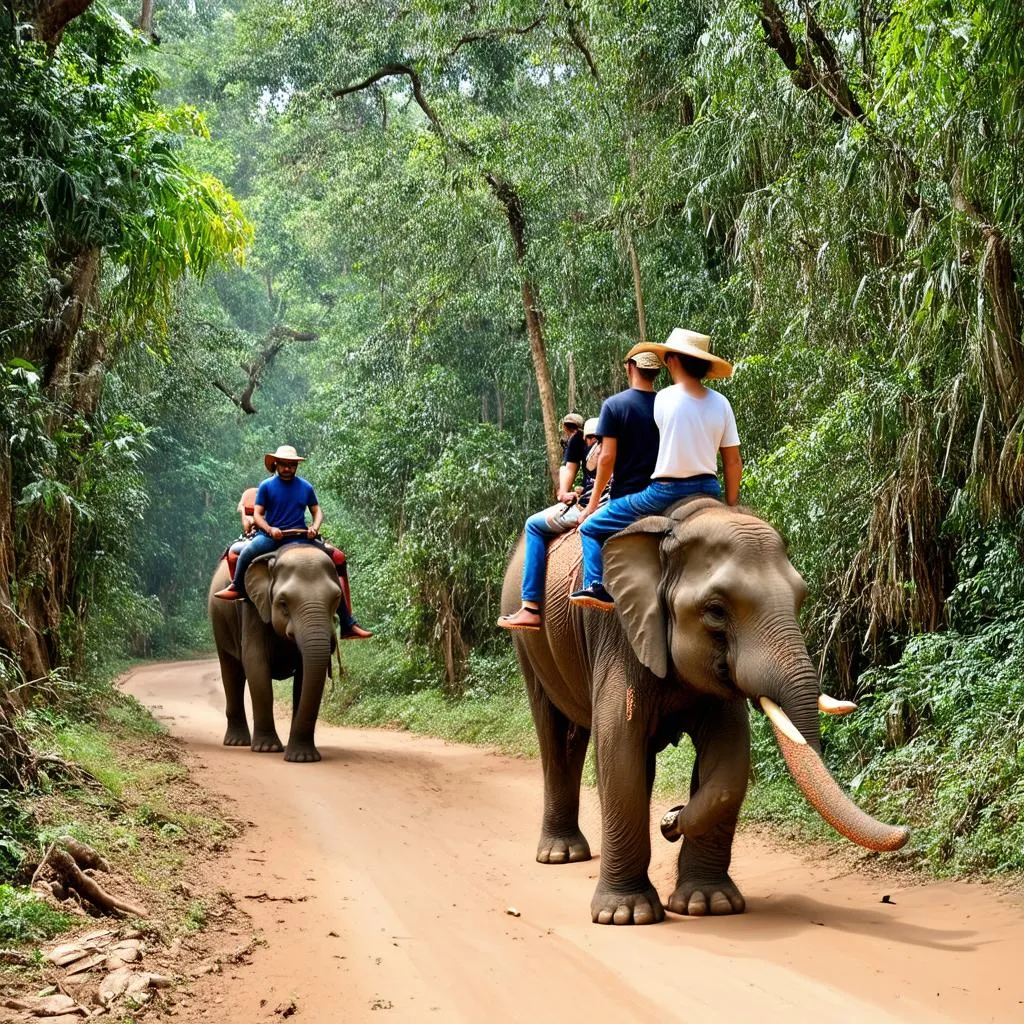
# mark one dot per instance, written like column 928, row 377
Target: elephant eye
column 715, row 614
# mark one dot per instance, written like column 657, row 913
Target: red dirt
column 402, row 855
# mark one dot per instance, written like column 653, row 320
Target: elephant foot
column 642, row 907
column 301, row 753
column 700, row 898
column 267, row 744
column 567, row 848
column 237, row 735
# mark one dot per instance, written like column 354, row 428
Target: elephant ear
column 258, row 584
column 632, row 575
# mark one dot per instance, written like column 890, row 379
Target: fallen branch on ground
column 62, row 874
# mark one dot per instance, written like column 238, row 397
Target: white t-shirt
column 692, row 431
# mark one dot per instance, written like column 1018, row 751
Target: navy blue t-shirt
column 284, row 504
column 575, row 449
column 629, row 418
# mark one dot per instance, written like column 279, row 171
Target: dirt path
column 403, row 853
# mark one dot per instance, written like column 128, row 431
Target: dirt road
column 402, row 855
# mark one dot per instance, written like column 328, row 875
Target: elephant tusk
column 830, row 706
column 780, row 720
column 672, row 823
column 824, row 793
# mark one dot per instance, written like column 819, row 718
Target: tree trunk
column 509, row 199
column 146, row 18
column 50, row 17
column 634, row 261
column 638, row 288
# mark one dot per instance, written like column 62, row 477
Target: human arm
column 318, row 517
column 732, row 469
column 261, row 522
column 566, row 476
column 605, row 466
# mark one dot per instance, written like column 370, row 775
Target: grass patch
column 141, row 810
column 24, row 917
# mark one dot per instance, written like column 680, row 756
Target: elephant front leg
column 264, row 732
column 624, row 893
column 708, row 822
column 232, row 675
column 563, row 749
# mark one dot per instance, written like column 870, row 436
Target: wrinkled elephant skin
column 285, row 632
column 705, row 621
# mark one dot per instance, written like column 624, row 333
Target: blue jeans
column 620, row 512
column 261, row 544
column 540, row 528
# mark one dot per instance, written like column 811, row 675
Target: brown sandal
column 527, row 619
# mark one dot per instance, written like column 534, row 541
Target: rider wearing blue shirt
column 281, row 504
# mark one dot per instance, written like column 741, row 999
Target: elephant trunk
column 786, row 688
column 312, row 634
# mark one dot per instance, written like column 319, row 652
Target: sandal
column 527, row 619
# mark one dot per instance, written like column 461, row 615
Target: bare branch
column 495, row 33
column 275, row 341
column 834, row 82
column 389, row 71
column 50, row 17
column 579, row 42
column 805, row 72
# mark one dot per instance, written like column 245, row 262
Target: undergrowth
column 114, row 781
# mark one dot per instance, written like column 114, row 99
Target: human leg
column 540, row 528
column 617, row 515
column 261, row 544
column 596, row 529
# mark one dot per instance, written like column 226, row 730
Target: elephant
column 705, row 620
column 285, row 630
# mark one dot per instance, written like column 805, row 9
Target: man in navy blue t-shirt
column 629, row 451
column 281, row 504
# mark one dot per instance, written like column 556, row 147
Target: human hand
column 588, row 511
column 276, row 533
column 248, row 523
column 566, row 497
column 312, row 532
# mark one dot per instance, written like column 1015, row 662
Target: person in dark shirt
column 629, row 451
column 559, row 518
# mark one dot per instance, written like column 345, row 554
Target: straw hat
column 574, row 418
column 645, row 359
column 686, row 343
column 590, row 427
column 286, row 453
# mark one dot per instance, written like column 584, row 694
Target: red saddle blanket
column 337, row 557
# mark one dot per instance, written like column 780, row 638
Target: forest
column 408, row 237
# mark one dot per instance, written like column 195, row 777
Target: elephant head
column 296, row 591
column 709, row 599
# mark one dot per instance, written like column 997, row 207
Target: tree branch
column 834, row 82
column 579, row 42
column 805, row 72
column 389, row 71
column 495, row 33
column 275, row 341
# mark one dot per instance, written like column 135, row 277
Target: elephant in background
column 286, row 631
column 706, row 619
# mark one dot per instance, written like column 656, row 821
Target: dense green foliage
column 832, row 191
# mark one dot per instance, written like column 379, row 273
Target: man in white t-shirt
column 694, row 424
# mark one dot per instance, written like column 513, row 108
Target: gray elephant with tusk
column 706, row 620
